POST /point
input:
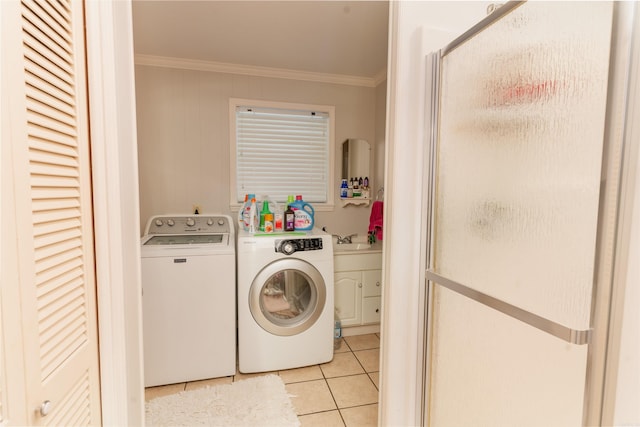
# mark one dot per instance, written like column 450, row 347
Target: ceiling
column 330, row 37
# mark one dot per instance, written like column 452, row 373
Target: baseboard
column 360, row 330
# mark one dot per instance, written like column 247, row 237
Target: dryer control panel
column 291, row 246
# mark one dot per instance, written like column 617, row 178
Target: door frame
column 112, row 115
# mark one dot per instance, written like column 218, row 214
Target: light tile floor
column 343, row 392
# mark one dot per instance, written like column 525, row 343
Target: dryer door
column 287, row 297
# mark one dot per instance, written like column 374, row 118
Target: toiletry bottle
column 289, row 219
column 356, row 188
column 350, row 190
column 365, row 188
column 343, row 189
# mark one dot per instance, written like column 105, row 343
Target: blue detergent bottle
column 303, row 213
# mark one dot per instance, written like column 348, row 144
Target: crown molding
column 380, row 77
column 278, row 73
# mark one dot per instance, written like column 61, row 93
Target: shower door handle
column 572, row 336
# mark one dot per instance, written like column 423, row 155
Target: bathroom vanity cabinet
column 358, row 286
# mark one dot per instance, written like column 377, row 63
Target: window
column 281, row 149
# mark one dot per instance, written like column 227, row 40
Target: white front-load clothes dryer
column 285, row 300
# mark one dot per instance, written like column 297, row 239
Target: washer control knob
column 288, row 248
column 221, row 221
column 190, row 222
column 159, row 222
column 171, row 223
column 210, row 222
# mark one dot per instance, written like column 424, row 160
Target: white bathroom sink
column 351, row 246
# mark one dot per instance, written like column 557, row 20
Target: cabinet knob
column 45, row 408
column 359, row 285
column 377, row 283
column 377, row 310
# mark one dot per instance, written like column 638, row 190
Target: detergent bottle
column 303, row 213
column 243, row 213
column 253, row 217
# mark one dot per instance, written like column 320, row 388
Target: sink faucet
column 346, row 239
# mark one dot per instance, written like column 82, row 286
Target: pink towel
column 375, row 219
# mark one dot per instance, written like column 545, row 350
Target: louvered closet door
column 53, row 215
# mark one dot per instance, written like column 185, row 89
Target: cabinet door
column 348, row 297
column 371, row 310
column 372, row 283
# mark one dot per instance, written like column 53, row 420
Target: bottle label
column 289, row 221
column 302, row 220
column 278, row 222
column 246, row 213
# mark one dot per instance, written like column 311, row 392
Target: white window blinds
column 281, row 152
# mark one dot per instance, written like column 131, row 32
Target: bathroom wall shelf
column 355, row 201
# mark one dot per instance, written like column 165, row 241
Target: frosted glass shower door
column 518, row 160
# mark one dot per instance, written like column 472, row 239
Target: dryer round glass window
column 287, row 297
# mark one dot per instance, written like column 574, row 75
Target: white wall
column 183, row 136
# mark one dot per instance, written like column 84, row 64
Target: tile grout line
column 344, row 423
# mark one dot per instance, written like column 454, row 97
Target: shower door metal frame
column 606, row 283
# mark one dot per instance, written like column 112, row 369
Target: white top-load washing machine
column 189, row 298
column 285, row 300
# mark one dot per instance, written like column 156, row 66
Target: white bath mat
column 258, row 401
